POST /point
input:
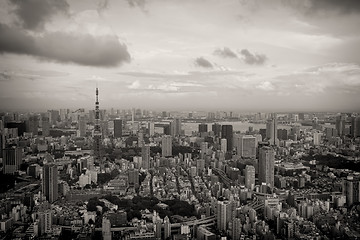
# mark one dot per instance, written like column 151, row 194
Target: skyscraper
column 33, row 125
column 166, row 146
column 45, row 126
column 351, row 189
column 203, row 127
column 82, row 126
column 216, row 128
column 246, row 146
column 227, row 133
column 145, row 155
column 271, row 130
column 223, row 145
column 50, row 182
column 175, row 127
column 97, row 133
column 223, row 216
column 249, row 177
column 266, row 166
column 12, row 159
column 355, row 126
column 117, row 128
column 340, row 125
column 167, row 227
column 151, row 127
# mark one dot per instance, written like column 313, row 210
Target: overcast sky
column 259, row 55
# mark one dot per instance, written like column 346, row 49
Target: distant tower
column 166, row 146
column 97, row 132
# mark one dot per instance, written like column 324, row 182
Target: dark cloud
column 324, row 6
column 4, row 77
column 83, row 49
column 137, row 3
column 225, row 53
column 33, row 14
column 102, row 5
column 202, row 62
column 253, row 59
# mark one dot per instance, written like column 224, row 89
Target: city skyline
column 197, row 55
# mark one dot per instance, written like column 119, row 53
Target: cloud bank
column 253, row 58
column 83, row 49
column 202, row 62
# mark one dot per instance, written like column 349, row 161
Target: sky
column 246, row 55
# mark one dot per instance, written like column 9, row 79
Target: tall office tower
column 203, row 127
column 250, row 177
column 54, row 116
column 50, row 182
column 12, row 158
column 351, row 189
column 227, row 133
column 97, row 133
column 223, row 145
column 106, row 229
column 166, row 146
column 282, row 134
column 266, row 166
column 236, row 229
column 33, row 125
column 203, row 149
column 117, row 128
column 316, row 138
column 246, row 146
column 355, row 126
column 82, row 126
column 145, row 155
column 223, row 216
column 340, row 125
column 45, row 221
column 271, row 130
column 167, row 228
column 151, row 127
column 104, row 129
column 216, row 128
column 133, row 176
column 63, row 114
column 45, row 126
column 140, row 138
column 175, row 127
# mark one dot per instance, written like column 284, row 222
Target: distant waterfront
column 189, row 127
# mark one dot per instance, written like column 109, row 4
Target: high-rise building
column 223, row 216
column 82, row 126
column 45, row 221
column 340, row 125
column 166, row 146
column 145, row 154
column 133, row 177
column 250, row 177
column 45, row 126
column 97, row 133
column 151, row 127
column 216, row 128
column 54, row 116
column 175, row 127
column 271, row 130
column 167, row 228
column 266, row 166
column 236, row 228
column 223, row 145
column 355, row 126
column 316, row 138
column 12, row 159
column 282, row 134
column 351, row 189
column 33, row 125
column 117, row 128
column 140, row 138
column 246, row 146
column 227, row 133
column 50, row 182
column 203, row 149
column 203, row 127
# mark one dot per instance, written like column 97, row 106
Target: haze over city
column 236, row 54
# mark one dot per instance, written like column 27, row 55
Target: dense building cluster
column 138, row 174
